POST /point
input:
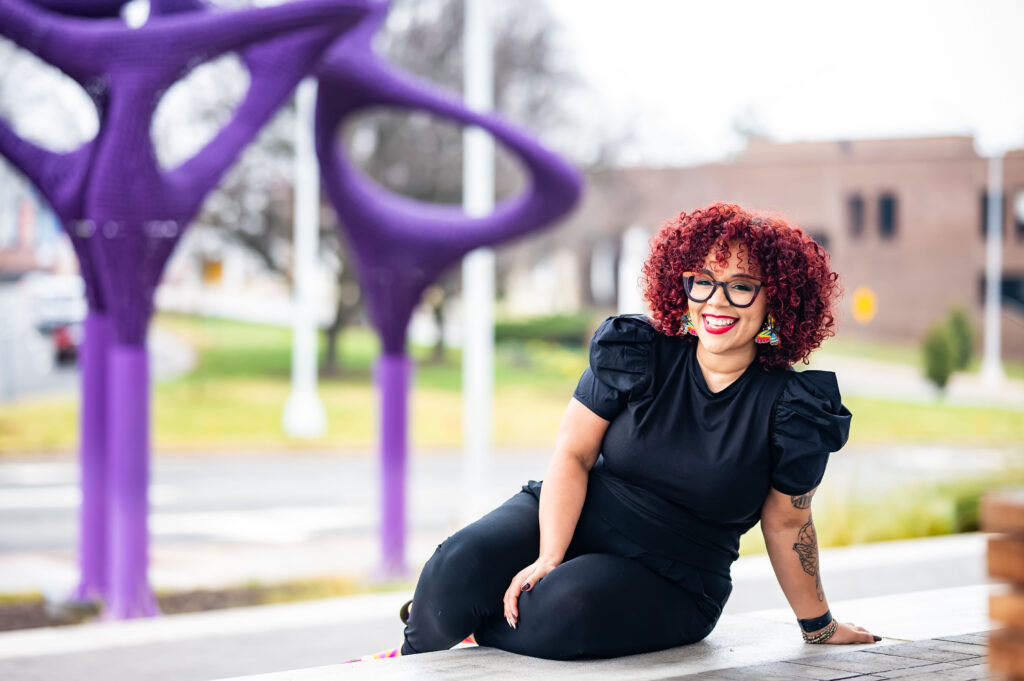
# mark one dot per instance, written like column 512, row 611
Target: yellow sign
column 864, row 304
column 212, row 271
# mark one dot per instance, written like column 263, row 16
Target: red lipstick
column 715, row 329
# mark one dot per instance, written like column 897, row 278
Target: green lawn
column 903, row 354
column 234, row 398
column 856, row 516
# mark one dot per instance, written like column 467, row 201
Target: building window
column 855, row 214
column 887, row 208
column 1018, row 213
column 821, row 238
column 1011, row 290
column 984, row 215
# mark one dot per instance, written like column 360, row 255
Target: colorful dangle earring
column 687, row 325
column 768, row 332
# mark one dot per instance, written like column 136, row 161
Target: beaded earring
column 687, row 325
column 768, row 333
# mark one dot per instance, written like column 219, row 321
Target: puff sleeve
column 621, row 353
column 810, row 422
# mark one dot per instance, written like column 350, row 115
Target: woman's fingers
column 511, row 599
column 851, row 633
column 865, row 636
column 525, row 580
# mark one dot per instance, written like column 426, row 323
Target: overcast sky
column 679, row 73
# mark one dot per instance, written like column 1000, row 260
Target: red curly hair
column 796, row 273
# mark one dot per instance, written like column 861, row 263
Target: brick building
column 30, row 235
column 903, row 218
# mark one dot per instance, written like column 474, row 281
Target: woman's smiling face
column 723, row 328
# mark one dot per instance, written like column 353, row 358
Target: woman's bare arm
column 792, row 543
column 565, row 487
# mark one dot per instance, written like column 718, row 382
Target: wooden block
column 1003, row 511
column 1006, row 558
column 1008, row 608
column 1006, row 652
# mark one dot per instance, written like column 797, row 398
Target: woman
column 686, row 429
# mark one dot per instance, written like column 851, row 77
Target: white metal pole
column 478, row 266
column 635, row 245
column 992, row 367
column 304, row 414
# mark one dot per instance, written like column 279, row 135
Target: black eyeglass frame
column 688, row 286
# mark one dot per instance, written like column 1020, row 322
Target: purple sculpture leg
column 393, row 373
column 129, row 594
column 92, row 535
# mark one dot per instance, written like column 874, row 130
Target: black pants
column 602, row 601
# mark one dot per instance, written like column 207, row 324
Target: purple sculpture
column 98, row 9
column 125, row 215
column 401, row 246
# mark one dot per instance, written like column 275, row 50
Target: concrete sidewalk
column 197, row 646
column 906, row 591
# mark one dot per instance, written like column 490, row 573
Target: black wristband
column 816, row 623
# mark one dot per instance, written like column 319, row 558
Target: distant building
column 904, row 220
column 30, row 235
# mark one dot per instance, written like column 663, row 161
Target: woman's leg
column 598, row 605
column 466, row 578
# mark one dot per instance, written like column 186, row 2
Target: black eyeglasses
column 739, row 292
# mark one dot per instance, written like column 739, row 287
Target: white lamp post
column 991, row 364
column 635, row 243
column 478, row 266
column 304, row 414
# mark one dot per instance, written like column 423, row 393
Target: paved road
column 285, row 498
column 26, row 356
column 27, row 365
column 324, row 507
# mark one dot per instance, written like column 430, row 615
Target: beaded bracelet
column 823, row 635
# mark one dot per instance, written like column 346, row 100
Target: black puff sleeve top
column 685, row 471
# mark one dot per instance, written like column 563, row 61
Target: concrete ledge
column 191, row 626
column 740, row 640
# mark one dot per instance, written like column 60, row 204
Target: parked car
column 59, row 305
column 66, row 340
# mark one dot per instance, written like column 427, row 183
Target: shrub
column 938, row 349
column 962, row 335
column 571, row 330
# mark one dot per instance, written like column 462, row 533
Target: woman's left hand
column 848, row 632
column 525, row 580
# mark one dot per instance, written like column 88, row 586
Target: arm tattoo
column 802, row 500
column 806, row 548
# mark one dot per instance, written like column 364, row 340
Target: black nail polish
column 877, row 639
column 526, row 587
